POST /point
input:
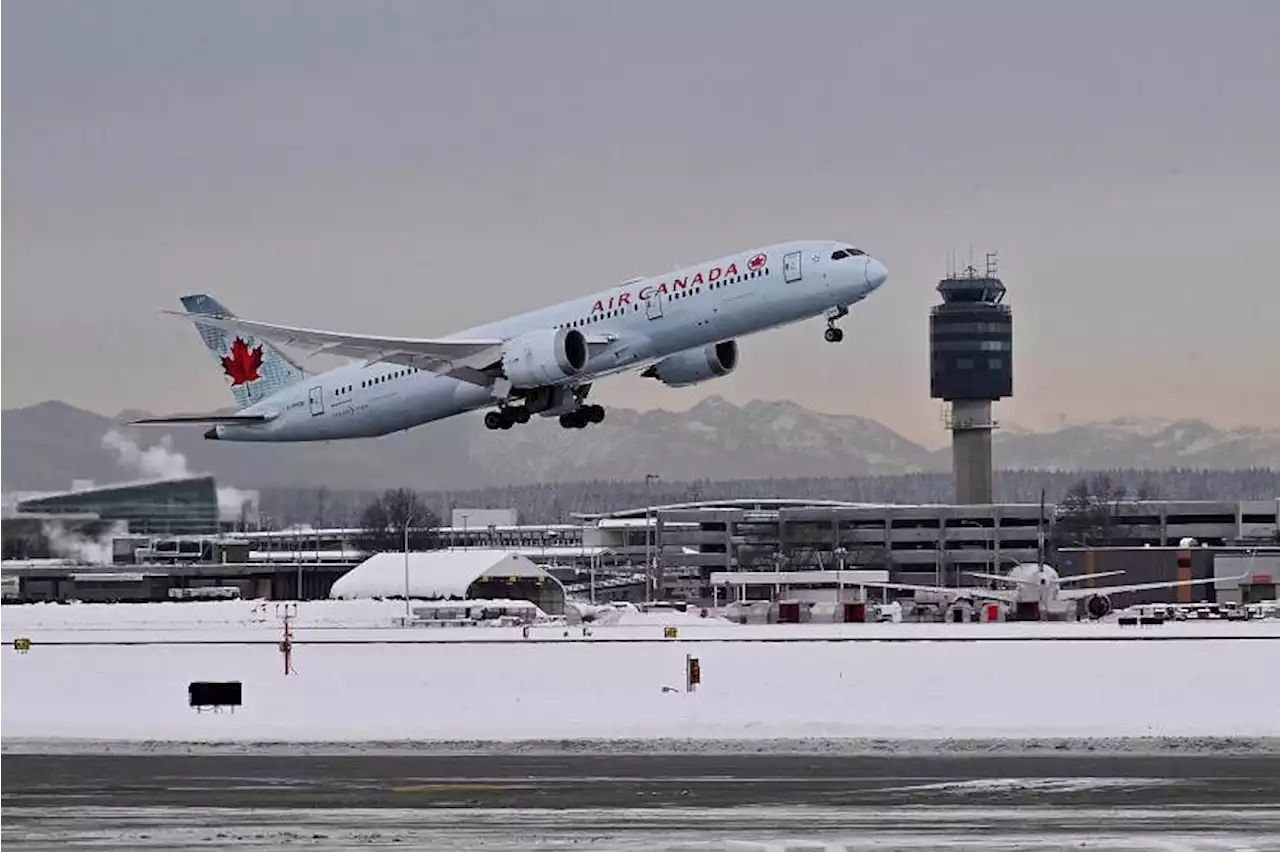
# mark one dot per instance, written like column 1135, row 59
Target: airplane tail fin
column 254, row 369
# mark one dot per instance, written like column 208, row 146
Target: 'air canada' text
column 648, row 291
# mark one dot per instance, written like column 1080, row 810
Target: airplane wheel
column 833, row 335
column 594, row 413
column 571, row 420
column 493, row 420
column 521, row 414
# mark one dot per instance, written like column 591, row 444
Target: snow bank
column 579, row 688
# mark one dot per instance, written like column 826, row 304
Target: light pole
column 297, row 555
column 1040, row 532
column 840, row 554
column 407, row 521
column 648, row 528
column 986, row 545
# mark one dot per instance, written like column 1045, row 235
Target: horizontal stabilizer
column 202, row 419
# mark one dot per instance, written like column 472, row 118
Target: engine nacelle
column 696, row 365
column 545, row 357
column 1097, row 606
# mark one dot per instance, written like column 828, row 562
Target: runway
column 579, row 797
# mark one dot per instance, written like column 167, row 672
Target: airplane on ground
column 1037, row 588
column 680, row 329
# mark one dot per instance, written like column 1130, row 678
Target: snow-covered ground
column 581, row 687
column 367, row 620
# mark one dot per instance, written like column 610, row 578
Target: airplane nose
column 876, row 273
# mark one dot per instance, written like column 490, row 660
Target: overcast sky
column 416, row 167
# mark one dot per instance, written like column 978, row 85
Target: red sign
column 757, row 262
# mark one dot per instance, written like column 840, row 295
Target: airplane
column 1038, row 587
column 680, row 328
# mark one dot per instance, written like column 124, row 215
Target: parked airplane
column 1037, row 588
column 680, row 329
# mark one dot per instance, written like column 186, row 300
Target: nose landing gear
column 834, row 334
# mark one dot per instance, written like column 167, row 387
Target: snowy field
column 580, row 687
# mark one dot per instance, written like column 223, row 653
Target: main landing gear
column 505, row 418
column 580, row 418
column 508, row 416
column 834, row 334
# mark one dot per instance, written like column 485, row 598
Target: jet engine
column 1097, row 606
column 696, row 365
column 545, row 357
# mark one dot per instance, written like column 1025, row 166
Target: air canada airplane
column 679, row 329
column 1040, row 586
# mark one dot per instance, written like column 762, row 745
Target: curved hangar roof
column 434, row 573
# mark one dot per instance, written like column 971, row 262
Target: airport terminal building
column 185, row 506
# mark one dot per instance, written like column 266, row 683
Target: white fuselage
column 648, row 320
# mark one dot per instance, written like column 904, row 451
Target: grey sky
column 412, row 168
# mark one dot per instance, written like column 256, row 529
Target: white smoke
column 231, row 502
column 159, row 461
column 162, row 461
column 71, row 545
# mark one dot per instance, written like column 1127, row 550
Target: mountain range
column 48, row 445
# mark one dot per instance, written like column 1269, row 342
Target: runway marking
column 690, row 640
column 458, row 786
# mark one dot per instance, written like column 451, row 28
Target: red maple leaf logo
column 756, row 262
column 242, row 363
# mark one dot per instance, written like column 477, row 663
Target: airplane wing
column 964, row 592
column 1075, row 594
column 1000, row 577
column 460, row 359
column 1074, row 578
column 211, row 419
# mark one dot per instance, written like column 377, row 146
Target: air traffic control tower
column 971, row 358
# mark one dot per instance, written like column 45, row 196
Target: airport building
column 678, row 547
column 160, row 507
column 933, row 544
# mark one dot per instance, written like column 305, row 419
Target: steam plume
column 162, row 461
column 70, row 545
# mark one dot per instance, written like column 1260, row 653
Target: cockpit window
column 856, row 252
column 842, row 253
column 839, row 254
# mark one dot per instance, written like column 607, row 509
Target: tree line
column 560, row 502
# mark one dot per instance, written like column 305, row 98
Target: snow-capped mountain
column 1142, row 443
column 46, row 446
column 713, row 440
